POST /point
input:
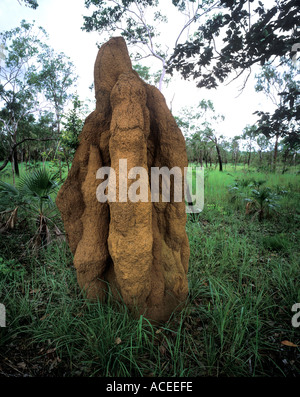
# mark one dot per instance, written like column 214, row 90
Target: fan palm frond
column 39, row 183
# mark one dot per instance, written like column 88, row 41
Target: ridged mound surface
column 139, row 248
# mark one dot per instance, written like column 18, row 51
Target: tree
column 131, row 19
column 30, row 69
column 199, row 123
column 72, row 127
column 18, row 88
column 236, row 38
column 213, row 137
column 43, row 140
column 281, row 86
column 55, row 79
column 263, row 143
column 210, row 118
column 198, row 147
column 249, row 135
column 150, row 78
column 235, row 149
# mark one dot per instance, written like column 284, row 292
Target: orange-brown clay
column 139, row 248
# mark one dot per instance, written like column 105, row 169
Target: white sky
column 62, row 20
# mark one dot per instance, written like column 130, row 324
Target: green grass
column 6, row 174
column 243, row 280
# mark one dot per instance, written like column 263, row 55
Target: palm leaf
column 10, row 196
column 7, row 188
column 39, row 183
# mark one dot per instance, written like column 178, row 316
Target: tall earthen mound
column 140, row 249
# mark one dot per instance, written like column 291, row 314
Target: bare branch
column 194, row 18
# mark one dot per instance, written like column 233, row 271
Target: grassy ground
column 243, row 280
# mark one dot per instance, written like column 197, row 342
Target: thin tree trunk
column 275, row 153
column 201, row 158
column 286, row 153
column 16, row 164
column 235, row 160
column 13, row 171
column 249, row 158
column 260, row 157
column 219, row 158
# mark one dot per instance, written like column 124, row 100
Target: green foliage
column 143, row 71
column 72, row 125
column 278, row 243
column 147, row 76
column 281, row 86
column 39, row 185
column 199, row 126
column 252, row 35
column 31, row 70
column 10, row 196
column 260, row 200
column 11, row 270
column 243, row 281
column 109, row 13
column 55, row 79
column 30, row 3
column 33, row 195
column 139, row 22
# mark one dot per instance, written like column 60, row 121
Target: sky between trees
column 63, row 21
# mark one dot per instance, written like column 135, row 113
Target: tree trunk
column 275, row 153
column 236, row 160
column 201, row 158
column 249, row 158
column 16, row 164
column 260, row 157
column 286, row 153
column 13, row 171
column 219, row 158
column 270, row 160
